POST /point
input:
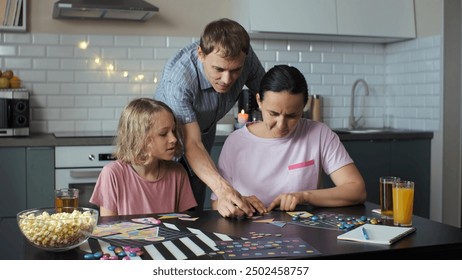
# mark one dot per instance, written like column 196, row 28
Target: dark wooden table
column 432, row 240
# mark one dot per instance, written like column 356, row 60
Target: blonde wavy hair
column 135, row 124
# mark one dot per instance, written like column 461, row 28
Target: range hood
column 137, row 10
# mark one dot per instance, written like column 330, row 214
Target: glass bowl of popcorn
column 57, row 229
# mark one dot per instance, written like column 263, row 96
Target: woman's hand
column 286, row 201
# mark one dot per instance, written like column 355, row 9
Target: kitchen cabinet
column 391, row 18
column 13, row 181
column 27, row 178
column 40, row 167
column 293, row 16
column 16, row 15
column 408, row 159
column 374, row 21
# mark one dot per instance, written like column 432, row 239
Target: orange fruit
column 15, row 82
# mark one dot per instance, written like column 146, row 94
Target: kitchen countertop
column 49, row 140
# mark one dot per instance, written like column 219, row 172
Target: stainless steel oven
column 79, row 167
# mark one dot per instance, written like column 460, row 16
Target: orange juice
column 403, row 203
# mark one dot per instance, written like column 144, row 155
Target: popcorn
column 58, row 230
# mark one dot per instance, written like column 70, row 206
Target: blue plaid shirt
column 185, row 88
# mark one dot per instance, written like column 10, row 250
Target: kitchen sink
column 361, row 130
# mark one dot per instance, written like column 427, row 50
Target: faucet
column 352, row 122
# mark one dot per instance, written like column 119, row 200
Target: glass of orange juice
column 403, row 203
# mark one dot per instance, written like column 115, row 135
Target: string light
column 110, row 67
column 83, row 45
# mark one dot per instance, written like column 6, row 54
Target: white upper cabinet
column 293, row 16
column 382, row 18
column 332, row 20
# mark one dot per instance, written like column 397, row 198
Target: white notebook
column 377, row 234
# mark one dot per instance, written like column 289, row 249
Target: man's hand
column 255, row 203
column 230, row 203
column 286, row 201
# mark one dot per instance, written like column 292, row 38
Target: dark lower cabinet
column 13, row 194
column 27, row 179
column 40, row 163
column 407, row 159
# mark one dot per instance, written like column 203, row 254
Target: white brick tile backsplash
column 60, row 51
column 73, row 89
column 101, row 114
column 115, row 101
column 45, row 64
column 127, row 89
column 100, row 89
column 353, row 58
column 18, row 63
column 60, row 76
column 178, row 42
column 72, row 40
column 88, row 126
column 63, row 78
column 32, row 76
column 287, row 56
column 165, row 53
column 60, row 102
column 110, row 53
column 298, row 45
column 31, row 51
column 56, row 125
column 45, row 89
column 100, row 40
column 127, row 41
column 153, row 65
column 74, row 114
column 137, row 53
column 276, row 45
column 331, row 58
column 17, row 38
column 7, row 51
column 45, row 39
column 88, row 102
column 153, row 41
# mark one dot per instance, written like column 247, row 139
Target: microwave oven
column 14, row 113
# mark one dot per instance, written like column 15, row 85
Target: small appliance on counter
column 14, row 112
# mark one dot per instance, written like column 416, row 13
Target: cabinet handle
column 85, row 174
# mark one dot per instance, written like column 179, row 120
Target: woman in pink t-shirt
column 278, row 162
column 144, row 179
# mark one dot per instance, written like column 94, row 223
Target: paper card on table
column 188, row 218
column 377, row 234
column 301, row 214
column 264, row 221
column 114, row 228
column 147, row 220
column 173, row 215
column 278, row 223
column 148, row 234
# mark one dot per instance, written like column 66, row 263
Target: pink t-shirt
column 120, row 189
column 267, row 167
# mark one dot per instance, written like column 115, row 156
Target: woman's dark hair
column 284, row 78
